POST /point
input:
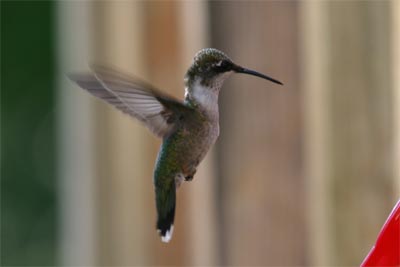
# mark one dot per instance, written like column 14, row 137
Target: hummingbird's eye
column 222, row 65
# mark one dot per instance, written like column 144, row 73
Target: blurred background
column 302, row 175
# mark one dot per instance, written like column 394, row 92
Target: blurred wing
column 143, row 102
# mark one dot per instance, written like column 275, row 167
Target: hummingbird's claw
column 189, row 178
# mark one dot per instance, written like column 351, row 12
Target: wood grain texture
column 261, row 193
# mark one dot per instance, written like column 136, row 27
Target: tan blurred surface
column 261, row 192
column 302, row 174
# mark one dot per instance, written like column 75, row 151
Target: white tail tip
column 168, row 235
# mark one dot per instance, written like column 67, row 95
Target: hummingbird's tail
column 165, row 202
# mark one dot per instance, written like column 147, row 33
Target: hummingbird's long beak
column 240, row 69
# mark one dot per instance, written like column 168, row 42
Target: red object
column 386, row 251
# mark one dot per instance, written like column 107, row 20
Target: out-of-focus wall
column 350, row 135
column 302, row 174
column 152, row 41
column 261, row 192
column 395, row 70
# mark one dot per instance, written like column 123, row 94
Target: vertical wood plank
column 395, row 26
column 123, row 145
column 360, row 93
column 76, row 128
column 259, row 150
column 163, row 56
column 201, row 215
column 317, row 131
column 349, row 115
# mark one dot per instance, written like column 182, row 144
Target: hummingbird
column 188, row 127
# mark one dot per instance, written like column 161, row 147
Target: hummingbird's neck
column 203, row 93
column 202, row 96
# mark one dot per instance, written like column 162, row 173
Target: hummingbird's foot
column 189, row 171
column 190, row 174
column 189, row 178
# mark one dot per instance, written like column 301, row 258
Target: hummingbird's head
column 211, row 67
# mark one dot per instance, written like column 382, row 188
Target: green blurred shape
column 28, row 181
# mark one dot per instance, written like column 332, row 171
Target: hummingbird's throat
column 203, row 93
column 203, row 96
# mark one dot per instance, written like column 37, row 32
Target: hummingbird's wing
column 155, row 109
